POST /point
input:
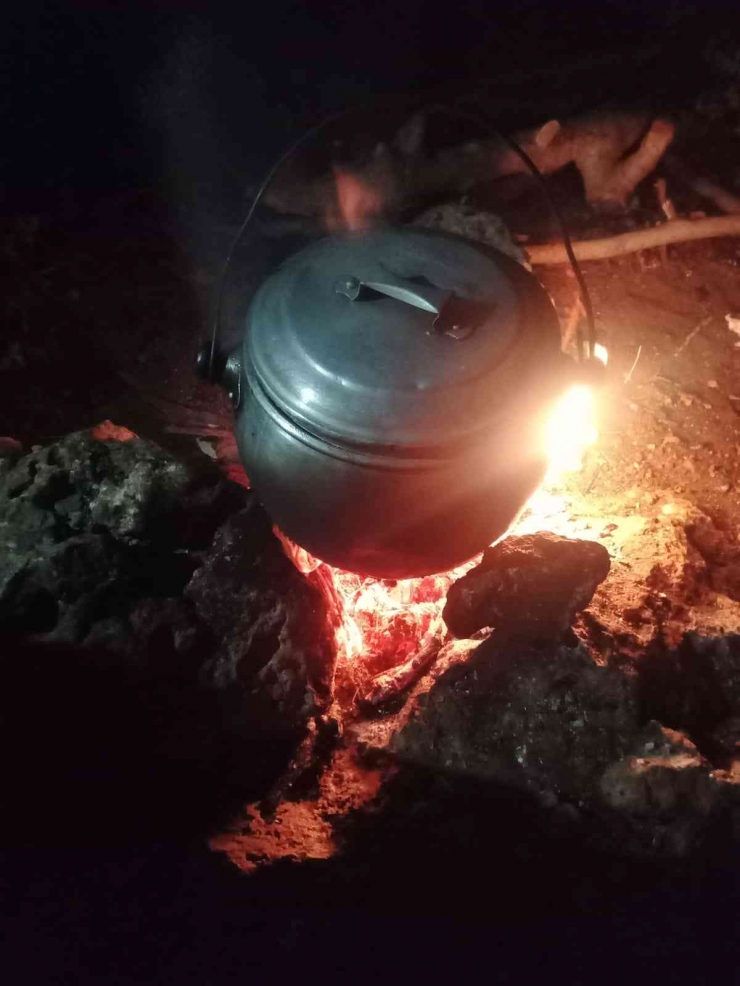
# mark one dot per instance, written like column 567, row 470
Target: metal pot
column 390, row 391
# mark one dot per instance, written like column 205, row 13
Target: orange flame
column 570, row 429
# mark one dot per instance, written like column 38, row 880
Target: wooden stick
column 676, row 231
column 390, row 684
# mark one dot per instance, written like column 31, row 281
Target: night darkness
column 179, row 108
column 86, row 86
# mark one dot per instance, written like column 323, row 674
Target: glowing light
column 308, row 395
column 357, row 201
column 569, row 431
column 601, row 353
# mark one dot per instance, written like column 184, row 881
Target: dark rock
column 721, row 656
column 474, row 224
column 155, row 576
column 729, row 782
column 125, row 488
column 276, row 633
column 102, row 540
column 726, row 737
column 665, row 787
column 549, row 721
column 87, row 526
column 530, row 586
column 556, row 724
column 693, row 687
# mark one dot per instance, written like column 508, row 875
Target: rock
column 720, row 551
column 474, row 224
column 556, row 724
column 275, row 631
column 88, row 525
column 125, row 488
column 531, row 586
column 102, row 540
column 728, row 780
column 721, row 657
column 665, row 787
column 169, row 576
column 546, row 720
column 694, row 687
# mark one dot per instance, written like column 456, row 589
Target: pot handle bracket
column 454, row 317
column 225, row 371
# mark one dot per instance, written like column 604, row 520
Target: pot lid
column 394, row 337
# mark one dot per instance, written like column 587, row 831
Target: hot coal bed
column 562, row 710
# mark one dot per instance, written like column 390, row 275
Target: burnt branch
column 675, row 231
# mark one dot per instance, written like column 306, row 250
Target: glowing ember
column 387, row 621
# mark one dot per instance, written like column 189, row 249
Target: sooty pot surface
column 391, row 389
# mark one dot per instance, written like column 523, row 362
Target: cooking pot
column 390, row 391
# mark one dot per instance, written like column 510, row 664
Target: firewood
column 676, row 231
column 399, row 175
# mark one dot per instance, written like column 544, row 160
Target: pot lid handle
column 455, row 317
column 424, row 296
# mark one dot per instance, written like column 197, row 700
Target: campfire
column 581, row 653
column 389, row 633
column 370, row 526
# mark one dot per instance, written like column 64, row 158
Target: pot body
column 392, row 517
column 410, row 508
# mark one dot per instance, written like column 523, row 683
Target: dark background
column 106, row 95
